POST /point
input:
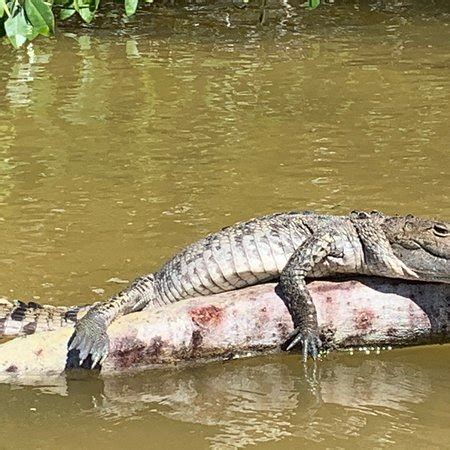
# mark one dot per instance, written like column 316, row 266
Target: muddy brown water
column 123, row 141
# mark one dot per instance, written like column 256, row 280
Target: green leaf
column 130, row 7
column 17, row 29
column 86, row 14
column 40, row 16
column 65, row 13
column 4, row 8
column 313, row 4
column 84, row 10
column 32, row 33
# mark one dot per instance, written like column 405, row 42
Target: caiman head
column 422, row 245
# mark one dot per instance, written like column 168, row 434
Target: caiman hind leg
column 296, row 295
column 90, row 342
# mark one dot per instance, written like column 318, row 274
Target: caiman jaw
column 435, row 251
column 422, row 245
column 425, row 263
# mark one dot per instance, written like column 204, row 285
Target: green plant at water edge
column 313, row 4
column 23, row 20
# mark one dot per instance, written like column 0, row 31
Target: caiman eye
column 440, row 230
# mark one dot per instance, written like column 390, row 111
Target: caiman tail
column 18, row 318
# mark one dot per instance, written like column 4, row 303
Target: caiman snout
column 422, row 244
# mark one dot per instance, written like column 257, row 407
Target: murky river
column 123, row 141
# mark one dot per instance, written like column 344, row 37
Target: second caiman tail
column 18, row 318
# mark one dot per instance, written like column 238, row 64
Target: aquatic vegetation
column 24, row 20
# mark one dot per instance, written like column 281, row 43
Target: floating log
column 363, row 312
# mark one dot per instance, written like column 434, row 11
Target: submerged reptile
column 288, row 247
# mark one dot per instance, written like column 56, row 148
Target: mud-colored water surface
column 122, row 141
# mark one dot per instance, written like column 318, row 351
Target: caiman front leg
column 90, row 337
column 296, row 295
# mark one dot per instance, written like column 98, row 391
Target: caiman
column 289, row 247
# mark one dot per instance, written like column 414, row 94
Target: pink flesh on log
column 368, row 311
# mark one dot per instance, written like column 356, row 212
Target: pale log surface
column 248, row 321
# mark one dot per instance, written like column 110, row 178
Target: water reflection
column 241, row 403
column 258, row 402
